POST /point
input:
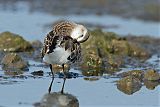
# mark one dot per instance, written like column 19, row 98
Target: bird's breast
column 58, row 56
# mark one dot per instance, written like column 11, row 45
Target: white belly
column 59, row 56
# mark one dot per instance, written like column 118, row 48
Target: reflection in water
column 13, row 73
column 151, row 85
column 92, row 74
column 129, row 85
column 57, row 99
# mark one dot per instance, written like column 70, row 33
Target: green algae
column 13, row 43
column 108, row 50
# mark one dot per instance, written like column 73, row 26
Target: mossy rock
column 99, row 42
column 152, row 75
column 13, row 43
column 103, row 49
column 13, row 62
column 129, row 85
column 134, row 73
column 119, row 47
column 92, row 61
column 138, row 52
column 115, row 60
column 97, row 48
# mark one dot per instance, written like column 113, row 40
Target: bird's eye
column 81, row 36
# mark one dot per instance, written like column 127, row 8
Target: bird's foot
column 49, row 90
column 62, row 92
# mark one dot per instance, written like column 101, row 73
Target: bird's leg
column 64, row 78
column 49, row 89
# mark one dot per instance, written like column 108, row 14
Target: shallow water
column 28, row 91
column 32, row 25
column 17, row 91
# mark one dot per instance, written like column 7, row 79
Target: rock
column 151, row 75
column 118, row 46
column 95, row 49
column 37, row 73
column 129, row 85
column 57, row 99
column 13, row 43
column 13, row 62
column 92, row 60
column 136, row 51
column 113, row 63
column 108, row 50
column 134, row 73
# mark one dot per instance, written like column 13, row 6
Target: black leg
column 50, row 87
column 64, row 78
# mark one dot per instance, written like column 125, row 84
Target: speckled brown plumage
column 62, row 45
column 63, row 28
column 61, row 35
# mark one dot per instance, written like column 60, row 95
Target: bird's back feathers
column 52, row 42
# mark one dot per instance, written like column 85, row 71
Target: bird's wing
column 50, row 43
column 73, row 47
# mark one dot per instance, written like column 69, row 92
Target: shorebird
column 62, row 45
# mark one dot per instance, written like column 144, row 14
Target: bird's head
column 80, row 33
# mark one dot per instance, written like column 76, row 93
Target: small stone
column 38, row 73
column 68, row 75
column 151, row 75
column 129, row 85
